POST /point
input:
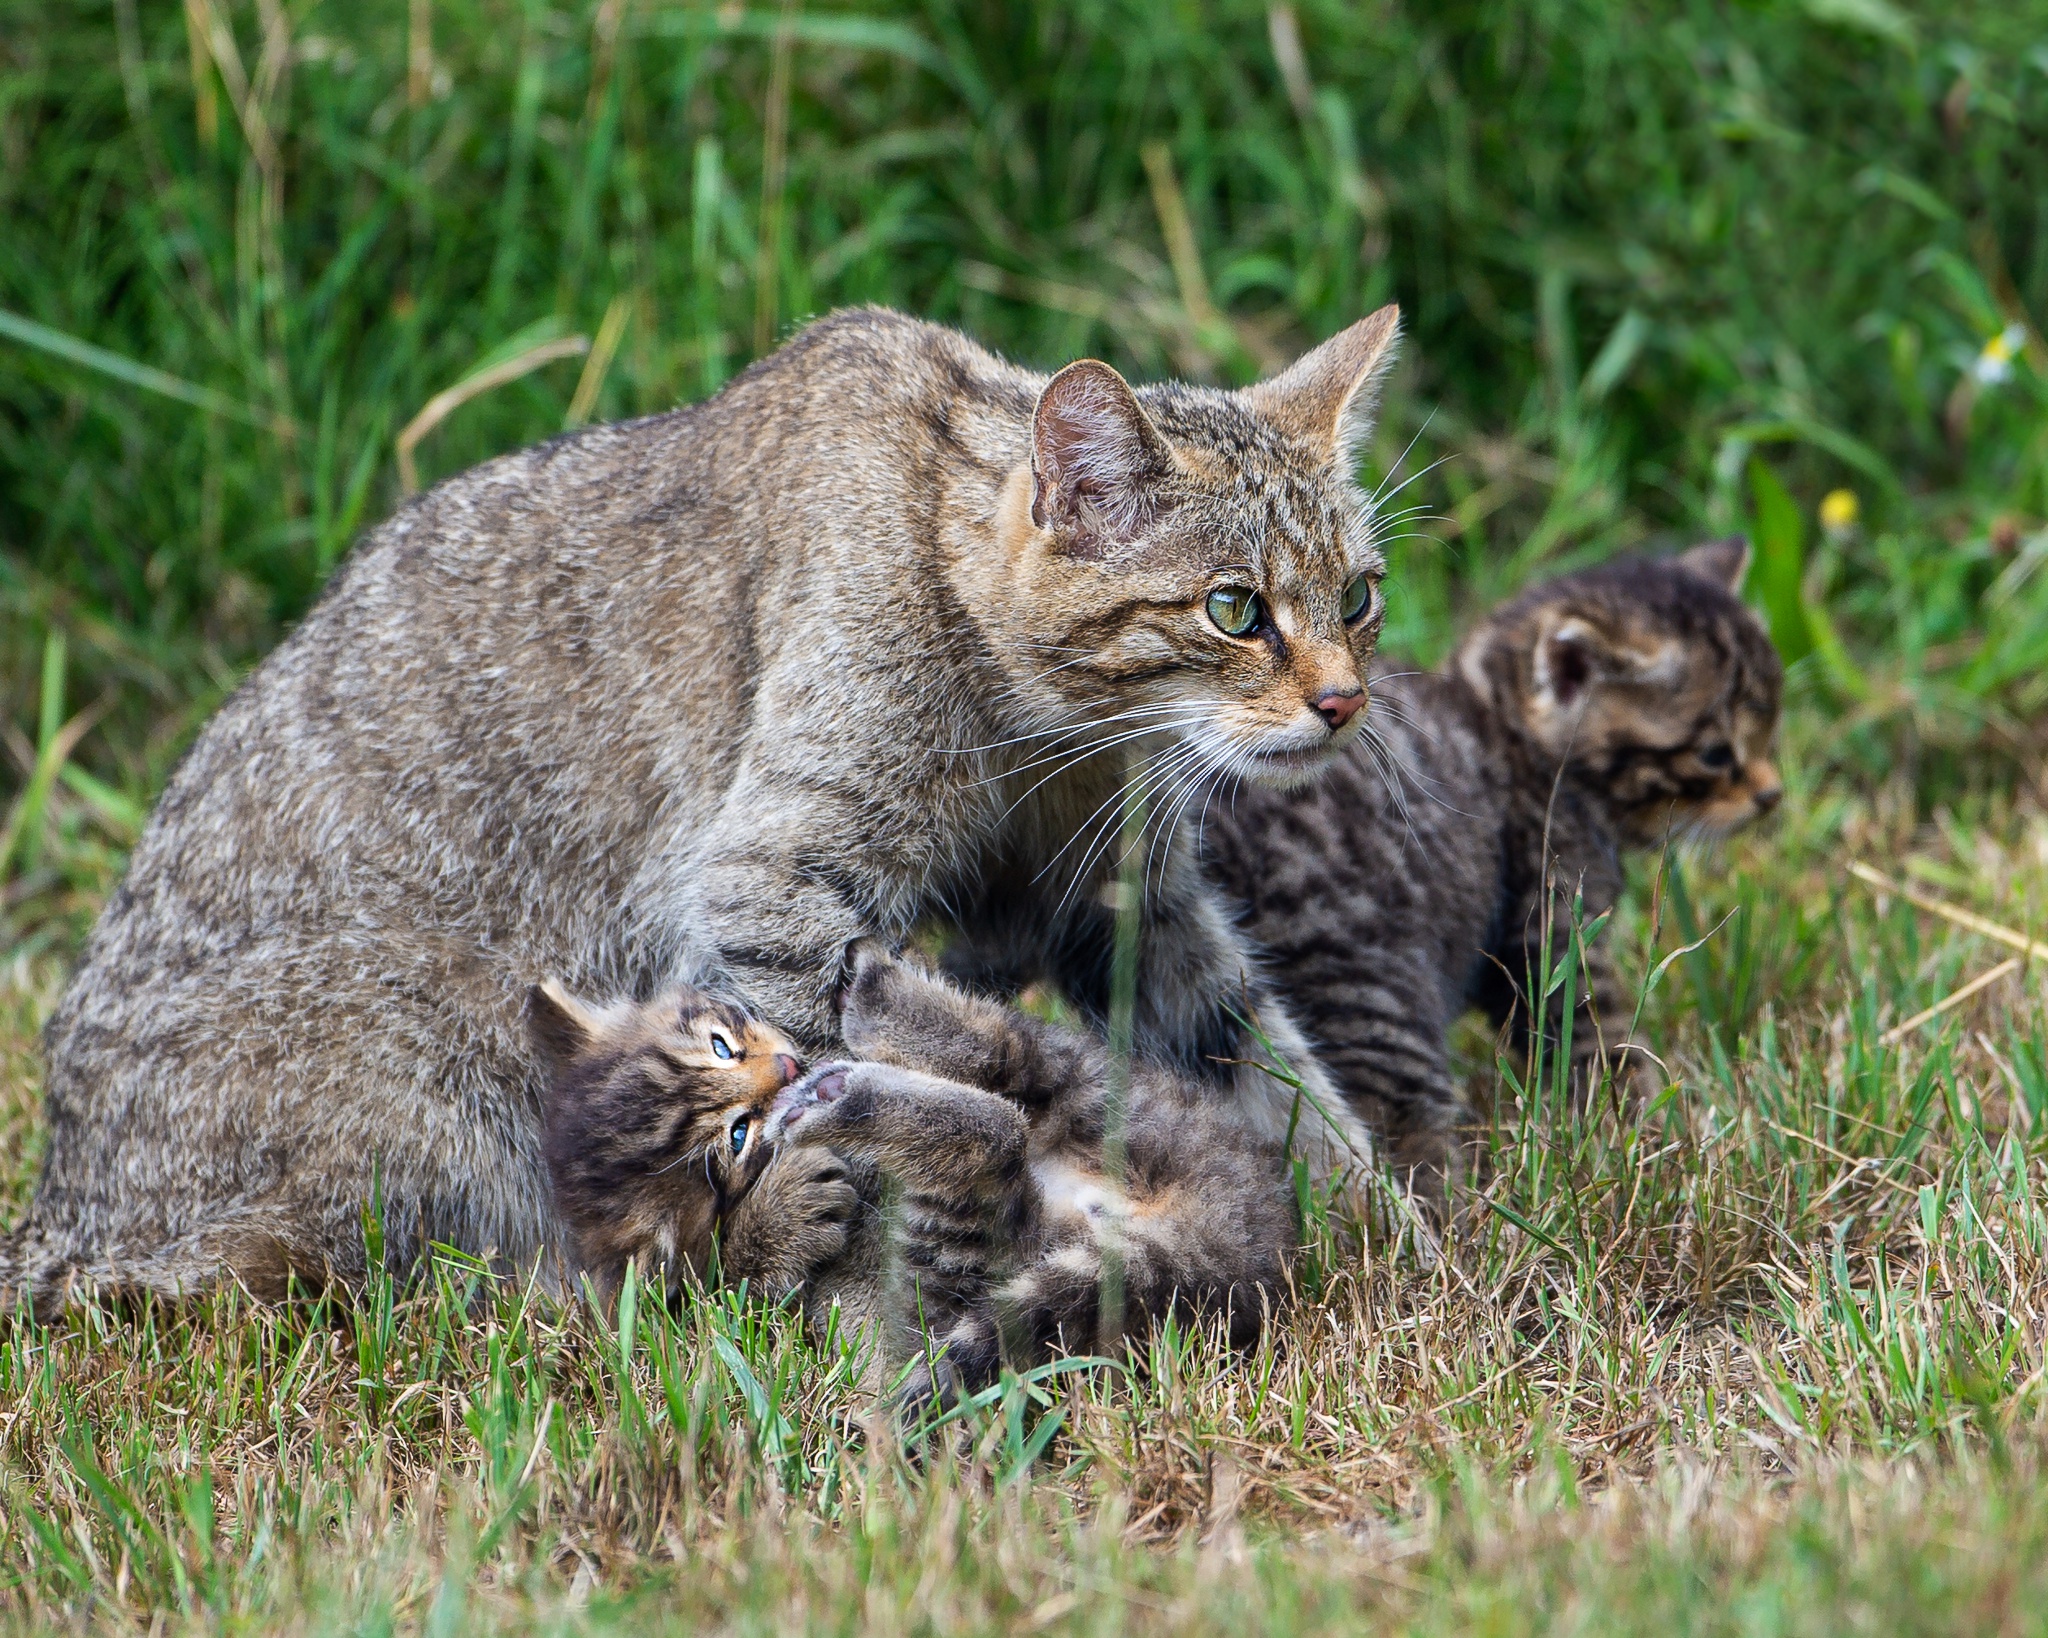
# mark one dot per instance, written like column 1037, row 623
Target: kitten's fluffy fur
column 657, row 1124
column 973, row 1138
column 1596, row 712
column 865, row 639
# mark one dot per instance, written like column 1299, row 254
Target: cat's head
column 1200, row 563
column 1651, row 681
column 656, row 1118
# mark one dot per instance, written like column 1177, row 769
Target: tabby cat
column 982, row 1129
column 1600, row 711
column 876, row 634
column 658, row 1124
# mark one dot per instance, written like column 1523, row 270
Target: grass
column 1769, row 1359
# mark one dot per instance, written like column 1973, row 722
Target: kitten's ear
column 1569, row 658
column 1096, row 459
column 1326, row 398
column 1574, row 653
column 1725, row 562
column 560, row 1027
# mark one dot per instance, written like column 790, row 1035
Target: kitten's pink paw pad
column 825, row 1084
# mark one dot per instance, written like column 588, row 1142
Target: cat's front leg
column 764, row 907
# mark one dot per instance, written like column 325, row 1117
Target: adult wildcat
column 1602, row 710
column 868, row 637
column 984, row 1129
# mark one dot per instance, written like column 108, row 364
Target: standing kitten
column 876, row 633
column 1598, row 711
column 985, row 1132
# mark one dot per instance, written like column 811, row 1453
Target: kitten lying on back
column 983, row 1129
column 1602, row 710
column 657, row 1128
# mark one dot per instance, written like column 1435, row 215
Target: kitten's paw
column 822, row 1087
column 816, row 1200
column 951, row 1369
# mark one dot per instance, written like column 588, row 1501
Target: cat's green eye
column 740, row 1128
column 1235, row 609
column 1357, row 597
column 719, row 1049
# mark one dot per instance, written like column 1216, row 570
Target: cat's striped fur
column 974, row 1139
column 869, row 637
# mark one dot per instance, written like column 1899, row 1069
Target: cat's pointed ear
column 1725, row 562
column 560, row 1027
column 1570, row 657
column 1096, row 459
column 1326, row 398
column 1573, row 653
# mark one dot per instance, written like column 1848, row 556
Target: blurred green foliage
column 1661, row 265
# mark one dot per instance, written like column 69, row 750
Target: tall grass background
column 1769, row 1359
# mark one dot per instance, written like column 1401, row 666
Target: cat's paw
column 829, row 1098
column 809, row 1197
column 950, row 1368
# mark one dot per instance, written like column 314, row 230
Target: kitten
column 1603, row 710
column 877, row 633
column 657, row 1125
column 984, row 1130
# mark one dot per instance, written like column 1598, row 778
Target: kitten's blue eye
column 1235, row 609
column 1357, row 597
column 718, row 1047
column 740, row 1129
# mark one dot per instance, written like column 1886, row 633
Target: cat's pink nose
column 785, row 1066
column 1337, row 708
column 1768, row 798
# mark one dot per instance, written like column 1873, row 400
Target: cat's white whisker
column 1383, row 493
column 1406, row 450
column 1154, row 774
column 1160, row 717
column 1075, row 759
column 1204, row 777
column 1058, row 731
column 1132, row 788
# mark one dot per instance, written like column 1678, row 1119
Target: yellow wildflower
column 1839, row 510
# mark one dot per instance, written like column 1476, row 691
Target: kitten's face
column 658, row 1116
column 1659, row 688
column 1196, row 569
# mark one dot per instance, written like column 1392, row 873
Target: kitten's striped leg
column 952, row 1162
column 1211, row 1238
column 897, row 1014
